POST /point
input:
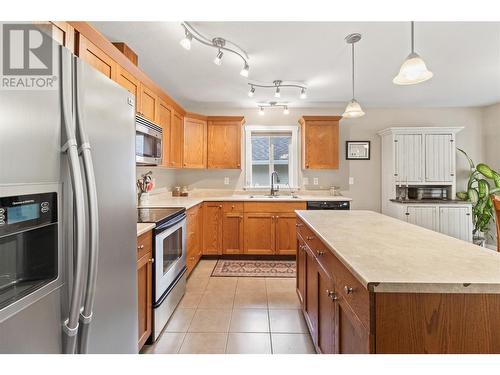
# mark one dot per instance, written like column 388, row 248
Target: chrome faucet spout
column 275, row 188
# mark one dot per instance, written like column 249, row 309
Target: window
column 271, row 149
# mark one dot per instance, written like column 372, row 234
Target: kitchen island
column 369, row 283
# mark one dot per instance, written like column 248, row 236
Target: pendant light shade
column 353, row 109
column 413, row 70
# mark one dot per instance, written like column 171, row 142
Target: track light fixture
column 261, row 106
column 277, row 85
column 222, row 45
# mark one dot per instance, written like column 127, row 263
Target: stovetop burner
column 158, row 215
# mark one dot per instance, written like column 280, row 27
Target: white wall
column 366, row 189
column 491, row 134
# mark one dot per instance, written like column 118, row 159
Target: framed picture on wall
column 357, row 150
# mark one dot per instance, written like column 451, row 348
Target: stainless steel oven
column 148, row 142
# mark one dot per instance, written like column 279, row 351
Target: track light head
column 251, row 92
column 261, row 111
column 186, row 41
column 277, row 93
column 303, row 94
column 286, row 111
column 218, row 58
column 244, row 71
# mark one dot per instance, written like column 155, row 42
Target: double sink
column 268, row 196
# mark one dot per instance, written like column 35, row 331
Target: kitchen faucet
column 275, row 189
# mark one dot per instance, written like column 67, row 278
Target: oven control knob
column 44, row 204
column 45, row 210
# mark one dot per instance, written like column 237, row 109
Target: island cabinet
column 415, row 314
column 145, row 285
column 320, row 142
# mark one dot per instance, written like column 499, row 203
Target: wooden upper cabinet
column 286, row 235
column 62, row 32
column 95, row 57
column 128, row 82
column 212, row 228
column 195, row 142
column 224, row 142
column 259, row 233
column 149, row 104
column 320, row 142
column 176, row 140
column 165, row 122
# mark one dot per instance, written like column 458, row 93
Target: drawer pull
column 348, row 290
column 309, row 238
column 332, row 295
column 140, row 247
column 152, row 260
column 321, row 253
column 299, row 225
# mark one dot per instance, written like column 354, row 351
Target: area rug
column 254, row 268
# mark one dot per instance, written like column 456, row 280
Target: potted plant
column 478, row 193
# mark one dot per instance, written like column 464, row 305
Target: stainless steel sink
column 274, row 196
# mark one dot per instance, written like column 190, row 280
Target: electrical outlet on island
column 315, row 181
column 226, row 180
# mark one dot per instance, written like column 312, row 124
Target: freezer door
column 109, row 119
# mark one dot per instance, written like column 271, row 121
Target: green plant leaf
column 471, row 163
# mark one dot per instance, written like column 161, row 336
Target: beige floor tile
column 278, row 284
column 278, row 299
column 167, row 343
column 222, row 284
column 251, row 284
column 204, row 343
column 249, row 320
column 190, row 300
column 248, row 343
column 197, row 284
column 250, row 300
column 287, row 321
column 210, row 320
column 180, row 320
column 214, row 299
column 292, row 343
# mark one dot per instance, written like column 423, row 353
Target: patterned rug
column 254, row 268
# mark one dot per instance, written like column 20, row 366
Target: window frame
column 293, row 162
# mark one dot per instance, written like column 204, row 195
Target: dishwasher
column 329, row 205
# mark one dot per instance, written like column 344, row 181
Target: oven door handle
column 70, row 326
column 169, row 224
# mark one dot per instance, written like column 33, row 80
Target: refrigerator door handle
column 70, row 326
column 89, row 176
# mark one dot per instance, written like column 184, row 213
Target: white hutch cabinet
column 423, row 157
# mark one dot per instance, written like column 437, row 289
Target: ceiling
column 464, row 57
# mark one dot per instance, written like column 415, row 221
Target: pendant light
column 353, row 108
column 413, row 70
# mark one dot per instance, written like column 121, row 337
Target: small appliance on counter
column 424, row 192
column 169, row 251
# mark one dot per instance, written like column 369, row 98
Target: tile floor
column 236, row 316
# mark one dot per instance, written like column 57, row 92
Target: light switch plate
column 351, row 180
column 226, row 180
column 315, row 181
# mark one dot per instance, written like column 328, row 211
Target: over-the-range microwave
column 148, row 142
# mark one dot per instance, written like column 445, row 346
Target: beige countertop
column 389, row 255
column 166, row 200
column 144, row 227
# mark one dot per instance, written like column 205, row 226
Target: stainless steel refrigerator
column 68, row 279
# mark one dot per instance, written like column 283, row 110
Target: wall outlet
column 351, row 180
column 226, row 180
column 305, row 181
column 315, row 181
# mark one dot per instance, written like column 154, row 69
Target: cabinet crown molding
column 420, row 130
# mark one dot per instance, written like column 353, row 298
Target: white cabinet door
column 423, row 216
column 439, row 158
column 456, row 222
column 408, row 158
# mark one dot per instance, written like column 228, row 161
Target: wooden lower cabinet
column 286, row 238
column 145, row 286
column 301, row 271
column 194, row 238
column 212, row 228
column 259, row 233
column 232, row 233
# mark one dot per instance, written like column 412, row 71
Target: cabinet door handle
column 152, row 260
column 140, row 247
column 309, row 238
column 220, row 206
column 299, row 225
column 348, row 290
column 321, row 253
column 332, row 295
column 277, row 217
